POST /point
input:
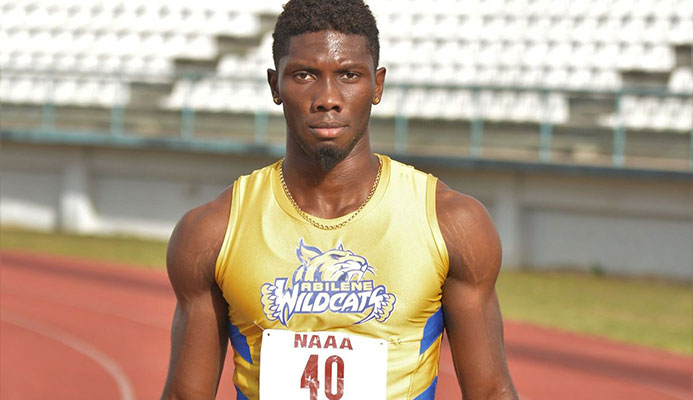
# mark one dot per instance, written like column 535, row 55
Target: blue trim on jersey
column 239, row 342
column 430, row 392
column 432, row 330
column 240, row 395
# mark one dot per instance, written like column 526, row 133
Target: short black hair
column 305, row 16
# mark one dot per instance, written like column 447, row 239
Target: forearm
column 198, row 348
column 498, row 392
column 475, row 332
column 178, row 390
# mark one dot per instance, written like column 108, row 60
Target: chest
column 367, row 281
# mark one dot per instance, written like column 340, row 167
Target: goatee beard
column 328, row 157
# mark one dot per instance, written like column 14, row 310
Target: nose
column 327, row 96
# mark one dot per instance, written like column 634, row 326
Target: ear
column 306, row 253
column 340, row 247
column 273, row 80
column 379, row 83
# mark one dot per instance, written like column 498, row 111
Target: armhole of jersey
column 431, row 189
column 223, row 256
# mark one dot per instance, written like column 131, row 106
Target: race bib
column 322, row 366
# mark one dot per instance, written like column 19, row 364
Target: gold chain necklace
column 315, row 223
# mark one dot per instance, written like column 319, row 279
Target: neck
column 333, row 193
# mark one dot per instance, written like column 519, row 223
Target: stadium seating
column 86, row 53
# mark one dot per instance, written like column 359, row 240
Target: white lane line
column 676, row 394
column 81, row 304
column 51, row 332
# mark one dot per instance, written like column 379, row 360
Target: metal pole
column 476, row 138
column 261, row 127
column 117, row 111
column 401, row 133
column 187, row 122
column 619, row 141
column 545, row 131
column 401, row 125
column 48, row 108
column 48, row 117
column 690, row 145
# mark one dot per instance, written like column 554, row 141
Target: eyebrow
column 348, row 65
column 298, row 66
column 353, row 65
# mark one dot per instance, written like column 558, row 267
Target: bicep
column 472, row 314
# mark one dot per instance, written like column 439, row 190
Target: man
column 334, row 270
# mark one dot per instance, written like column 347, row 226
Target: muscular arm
column 472, row 315
column 199, row 331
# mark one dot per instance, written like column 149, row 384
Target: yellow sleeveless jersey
column 379, row 276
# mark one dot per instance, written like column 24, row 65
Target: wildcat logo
column 330, row 281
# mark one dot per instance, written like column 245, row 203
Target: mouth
column 327, row 129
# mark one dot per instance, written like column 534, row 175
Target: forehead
column 327, row 47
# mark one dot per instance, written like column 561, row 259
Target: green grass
column 642, row 311
column 128, row 250
column 646, row 312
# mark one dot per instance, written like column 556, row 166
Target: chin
column 329, row 156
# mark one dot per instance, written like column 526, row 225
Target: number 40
column 309, row 379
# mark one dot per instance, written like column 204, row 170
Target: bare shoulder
column 196, row 241
column 470, row 236
column 463, row 208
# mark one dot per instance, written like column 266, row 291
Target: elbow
column 173, row 396
column 170, row 394
column 178, row 394
column 506, row 392
column 500, row 392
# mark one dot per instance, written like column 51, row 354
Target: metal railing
column 476, row 129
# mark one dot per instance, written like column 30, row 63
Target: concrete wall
column 629, row 225
column 621, row 222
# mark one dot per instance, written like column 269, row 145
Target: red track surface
column 71, row 329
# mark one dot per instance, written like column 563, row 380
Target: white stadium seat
column 563, row 44
column 681, row 80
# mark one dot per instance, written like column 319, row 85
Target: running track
column 71, row 329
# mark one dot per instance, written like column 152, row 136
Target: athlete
column 334, row 271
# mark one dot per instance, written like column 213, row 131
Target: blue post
column 476, row 137
column 261, row 127
column 546, row 130
column 117, row 119
column 48, row 109
column 48, row 116
column 401, row 133
column 187, row 129
column 117, row 113
column 187, row 116
column 690, row 145
column 619, row 142
column 401, row 124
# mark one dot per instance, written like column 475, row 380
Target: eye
column 336, row 256
column 350, row 76
column 303, row 76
